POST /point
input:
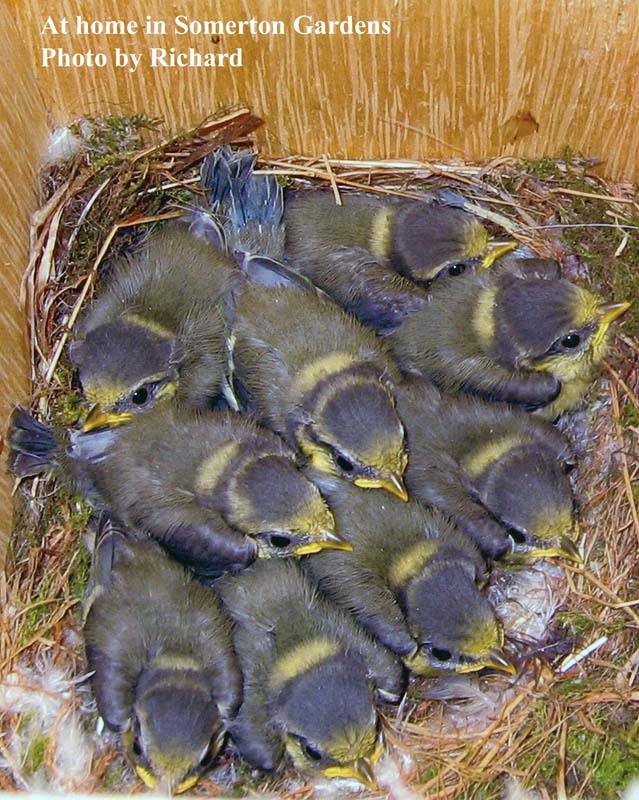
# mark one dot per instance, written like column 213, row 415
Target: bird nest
column 567, row 725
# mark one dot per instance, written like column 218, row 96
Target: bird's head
column 176, row 731
column 274, row 502
column 453, row 624
column 528, row 491
column 430, row 241
column 351, row 429
column 328, row 713
column 125, row 367
column 554, row 326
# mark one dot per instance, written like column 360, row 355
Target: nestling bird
column 305, row 368
column 529, row 341
column 498, row 472
column 375, row 256
column 165, row 675
column 215, row 490
column 311, row 675
column 156, row 329
column 418, row 239
column 411, row 580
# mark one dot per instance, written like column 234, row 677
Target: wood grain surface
column 470, row 78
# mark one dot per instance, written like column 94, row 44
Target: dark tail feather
column 31, row 444
column 258, row 199
column 250, row 207
column 223, row 173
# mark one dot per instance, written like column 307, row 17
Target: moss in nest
column 609, row 760
column 112, row 139
column 79, row 575
column 285, row 181
column 615, row 276
column 36, row 753
column 578, row 623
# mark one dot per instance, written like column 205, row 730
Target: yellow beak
column 393, row 484
column 331, row 542
column 497, row 252
column 609, row 313
column 97, row 418
column 496, row 660
column 566, row 549
column 361, row 770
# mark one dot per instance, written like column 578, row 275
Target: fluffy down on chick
column 525, row 340
column 156, row 329
column 311, row 675
column 301, row 365
column 165, row 675
column 411, row 580
column 498, row 472
column 215, row 489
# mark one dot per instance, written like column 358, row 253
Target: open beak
column 496, row 252
column 609, row 313
column 496, row 660
column 97, row 419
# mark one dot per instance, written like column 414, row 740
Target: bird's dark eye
column 312, row 752
column 344, row 464
column 571, row 341
column 440, row 654
column 279, row 541
column 456, row 269
column 137, row 747
column 517, row 536
column 140, row 396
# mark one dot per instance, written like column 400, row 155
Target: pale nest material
column 44, row 699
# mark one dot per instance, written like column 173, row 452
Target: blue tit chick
column 164, row 672
column 529, row 341
column 376, row 256
column 215, row 490
column 156, row 329
column 412, row 580
column 312, row 676
column 498, row 472
column 417, row 239
column 305, row 368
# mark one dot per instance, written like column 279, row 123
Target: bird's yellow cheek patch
column 481, row 458
column 380, row 236
column 409, row 563
column 302, row 658
column 319, row 457
column 167, row 391
column 478, row 242
column 486, row 638
column 420, row 665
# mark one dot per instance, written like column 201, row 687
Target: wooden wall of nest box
column 469, row 79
